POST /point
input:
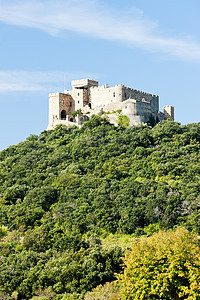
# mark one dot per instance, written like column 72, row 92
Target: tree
column 77, row 112
column 163, row 266
column 123, row 121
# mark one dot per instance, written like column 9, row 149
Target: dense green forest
column 64, row 192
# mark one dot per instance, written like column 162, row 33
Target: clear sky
column 151, row 45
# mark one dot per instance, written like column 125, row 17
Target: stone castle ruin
column 87, row 98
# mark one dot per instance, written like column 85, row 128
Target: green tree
column 163, row 266
column 77, row 112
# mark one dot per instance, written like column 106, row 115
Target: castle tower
column 60, row 105
column 80, row 92
column 169, row 112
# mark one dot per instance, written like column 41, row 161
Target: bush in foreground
column 163, row 266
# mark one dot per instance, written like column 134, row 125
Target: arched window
column 63, row 115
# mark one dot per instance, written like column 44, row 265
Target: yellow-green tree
column 123, row 121
column 163, row 266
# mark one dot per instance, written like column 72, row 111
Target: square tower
column 60, row 105
column 80, row 92
column 169, row 112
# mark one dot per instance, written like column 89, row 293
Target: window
column 78, row 94
column 125, row 95
column 78, row 101
column 63, row 101
column 114, row 94
column 70, row 103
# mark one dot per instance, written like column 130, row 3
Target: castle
column 88, row 98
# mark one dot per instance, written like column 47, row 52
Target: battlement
column 138, row 91
column 121, row 86
column 84, row 83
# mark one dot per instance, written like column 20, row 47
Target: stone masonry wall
column 64, row 103
column 101, row 96
column 57, row 103
column 141, row 96
column 79, row 98
column 53, row 107
column 169, row 112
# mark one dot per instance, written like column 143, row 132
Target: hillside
column 64, row 191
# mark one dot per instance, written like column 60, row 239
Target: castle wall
column 135, row 94
column 141, row 96
column 144, row 109
column 101, row 96
column 137, row 111
column 79, row 97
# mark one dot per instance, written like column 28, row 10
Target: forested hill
column 63, row 190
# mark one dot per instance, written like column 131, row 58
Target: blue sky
column 150, row 45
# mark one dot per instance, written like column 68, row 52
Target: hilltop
column 65, row 191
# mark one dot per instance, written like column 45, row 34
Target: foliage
column 30, row 271
column 121, row 240
column 109, row 291
column 118, row 111
column 77, row 112
column 163, row 266
column 123, row 121
column 64, row 190
column 3, row 231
